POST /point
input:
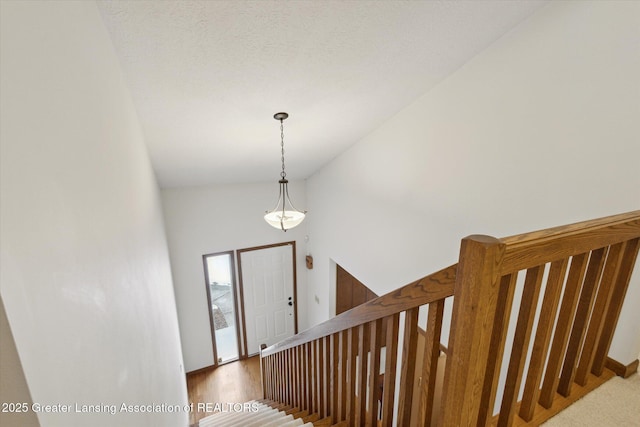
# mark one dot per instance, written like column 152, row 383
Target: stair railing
column 582, row 270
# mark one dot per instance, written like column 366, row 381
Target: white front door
column 268, row 291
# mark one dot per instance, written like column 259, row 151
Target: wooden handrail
column 580, row 227
column 531, row 249
column 423, row 291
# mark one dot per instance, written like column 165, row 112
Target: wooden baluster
column 294, row 379
column 272, row 367
column 352, row 354
column 617, row 299
column 328, row 397
column 342, row 383
column 316, row 390
column 542, row 339
column 302, row 373
column 276, row 378
column 320, row 376
column 496, row 352
column 580, row 323
column 476, row 293
column 334, row 377
column 430, row 362
column 300, row 380
column 361, row 400
column 282, row 379
column 279, row 378
column 293, row 398
column 316, row 375
column 288, row 375
column 308, row 374
column 408, row 368
column 283, row 376
column 563, row 327
column 262, row 373
column 530, row 294
column 313, row 406
column 265, row 376
column 271, row 387
column 272, row 370
column 323, row 377
column 309, row 367
column 391, row 357
column 374, row 371
column 601, row 306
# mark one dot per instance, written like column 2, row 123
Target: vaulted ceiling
column 207, row 76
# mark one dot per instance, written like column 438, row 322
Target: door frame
column 239, row 252
column 234, row 286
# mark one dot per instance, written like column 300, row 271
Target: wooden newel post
column 263, row 373
column 475, row 295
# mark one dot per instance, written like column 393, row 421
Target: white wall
column 221, row 218
column 540, row 129
column 85, row 275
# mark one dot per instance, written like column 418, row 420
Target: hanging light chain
column 280, row 217
column 283, row 174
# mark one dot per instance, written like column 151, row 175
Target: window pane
column 221, row 292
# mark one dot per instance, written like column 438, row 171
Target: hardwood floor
column 235, row 382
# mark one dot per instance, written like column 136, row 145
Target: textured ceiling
column 207, row 76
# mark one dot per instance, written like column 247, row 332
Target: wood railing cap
column 571, row 229
column 539, row 247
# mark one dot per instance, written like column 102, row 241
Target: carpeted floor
column 615, row 403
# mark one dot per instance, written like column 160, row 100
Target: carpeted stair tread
column 265, row 416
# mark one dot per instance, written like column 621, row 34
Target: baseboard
column 624, row 371
column 201, row 370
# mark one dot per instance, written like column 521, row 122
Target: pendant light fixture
column 284, row 215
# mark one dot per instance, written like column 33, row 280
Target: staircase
column 259, row 415
column 575, row 276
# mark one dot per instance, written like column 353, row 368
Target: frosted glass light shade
column 287, row 221
column 284, row 215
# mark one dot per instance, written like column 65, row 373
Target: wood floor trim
column 624, row 371
column 201, row 370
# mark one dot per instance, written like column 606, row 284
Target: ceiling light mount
column 284, row 215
